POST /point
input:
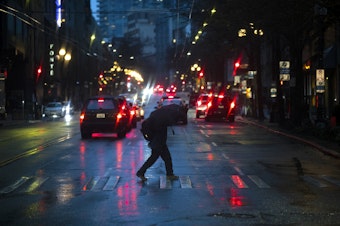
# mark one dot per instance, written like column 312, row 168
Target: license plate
column 100, row 115
column 220, row 106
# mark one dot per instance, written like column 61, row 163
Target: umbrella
column 167, row 115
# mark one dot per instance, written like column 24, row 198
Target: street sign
column 320, row 80
column 284, row 70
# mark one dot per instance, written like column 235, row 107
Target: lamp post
column 197, row 70
column 64, row 57
column 255, row 63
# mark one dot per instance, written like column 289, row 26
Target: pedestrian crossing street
column 111, row 182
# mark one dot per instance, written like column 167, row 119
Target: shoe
column 172, row 177
column 141, row 176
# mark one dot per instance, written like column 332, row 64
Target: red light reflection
column 235, row 199
column 127, row 203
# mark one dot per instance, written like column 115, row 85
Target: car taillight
column 199, row 103
column 132, row 112
column 232, row 104
column 82, row 116
column 119, row 116
column 209, row 104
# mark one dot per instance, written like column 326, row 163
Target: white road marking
column 185, row 182
column 164, row 183
column 258, row 181
column 111, row 183
column 239, row 170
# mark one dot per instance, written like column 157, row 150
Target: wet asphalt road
column 230, row 174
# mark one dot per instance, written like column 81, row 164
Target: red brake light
column 119, row 116
column 199, row 103
column 100, row 100
column 82, row 116
column 232, row 104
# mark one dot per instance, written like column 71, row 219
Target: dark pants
column 164, row 153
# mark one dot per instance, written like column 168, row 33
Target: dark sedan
column 103, row 114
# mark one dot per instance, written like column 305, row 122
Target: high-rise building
column 156, row 25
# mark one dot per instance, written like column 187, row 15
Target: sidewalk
column 8, row 122
column 327, row 147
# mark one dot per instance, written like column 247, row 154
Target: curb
column 320, row 148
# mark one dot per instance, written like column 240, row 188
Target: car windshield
column 105, row 104
column 172, row 101
column 220, row 101
column 204, row 99
column 52, row 105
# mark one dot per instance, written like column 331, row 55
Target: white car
column 54, row 110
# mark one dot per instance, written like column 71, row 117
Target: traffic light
column 201, row 74
column 236, row 67
column 39, row 71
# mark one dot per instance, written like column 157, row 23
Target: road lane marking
column 313, row 181
column 238, row 181
column 185, row 182
column 14, row 186
column 239, row 170
column 35, row 150
column 214, row 144
column 91, row 184
column 331, row 180
column 258, row 181
column 225, row 156
column 164, row 183
column 111, row 183
column 37, row 182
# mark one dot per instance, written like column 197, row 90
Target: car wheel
column 232, row 119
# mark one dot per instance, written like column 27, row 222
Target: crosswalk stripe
column 14, row 186
column 36, row 183
column 331, row 180
column 258, row 181
column 164, row 183
column 91, row 183
column 237, row 180
column 111, row 183
column 239, row 170
column 314, row 181
column 185, row 182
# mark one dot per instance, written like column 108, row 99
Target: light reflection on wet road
column 230, row 174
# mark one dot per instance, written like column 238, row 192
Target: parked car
column 178, row 101
column 54, row 109
column 104, row 114
column 221, row 107
column 202, row 104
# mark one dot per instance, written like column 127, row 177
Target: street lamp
column 196, row 69
column 255, row 32
column 64, row 57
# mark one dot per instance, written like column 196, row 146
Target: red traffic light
column 39, row 70
column 201, row 74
